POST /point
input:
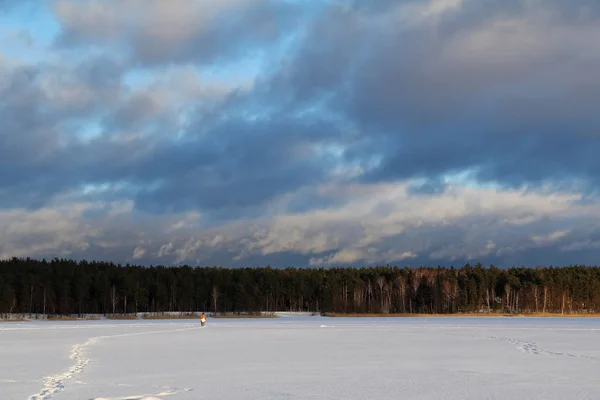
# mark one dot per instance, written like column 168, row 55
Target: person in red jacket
column 203, row 320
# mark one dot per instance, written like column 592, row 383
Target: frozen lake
column 302, row 358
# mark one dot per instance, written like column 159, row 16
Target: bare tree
column 137, row 289
column 114, row 298
column 369, row 294
column 507, row 296
column 44, row 311
column 401, row 285
column 455, row 294
column 417, row 275
column 31, row 300
column 172, row 302
column 545, row 297
column 359, row 296
column 381, row 284
column 344, row 296
column 535, row 290
column 388, row 290
column 450, row 289
column 431, row 278
column 13, row 305
column 214, row 295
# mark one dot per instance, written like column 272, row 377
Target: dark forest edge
column 81, row 289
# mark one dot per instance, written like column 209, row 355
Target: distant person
column 203, row 320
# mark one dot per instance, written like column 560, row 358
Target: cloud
column 386, row 222
column 49, row 109
column 56, row 230
column 549, row 238
column 138, row 253
column 376, row 224
column 179, row 31
column 253, row 131
column 507, row 95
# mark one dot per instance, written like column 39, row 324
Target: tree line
column 67, row 287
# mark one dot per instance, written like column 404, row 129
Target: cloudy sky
column 301, row 133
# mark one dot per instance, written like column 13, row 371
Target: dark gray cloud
column 502, row 95
column 254, row 162
column 232, row 164
column 353, row 96
column 427, row 105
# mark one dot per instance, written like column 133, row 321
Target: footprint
column 55, row 383
column 170, row 391
column 531, row 348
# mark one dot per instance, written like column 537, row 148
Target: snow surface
column 302, row 357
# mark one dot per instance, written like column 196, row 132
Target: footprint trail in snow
column 167, row 392
column 532, row 348
column 54, row 384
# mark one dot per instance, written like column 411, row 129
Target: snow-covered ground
column 302, row 357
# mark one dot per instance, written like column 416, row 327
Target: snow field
column 302, row 358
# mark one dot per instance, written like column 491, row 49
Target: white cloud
column 371, row 255
column 549, row 238
column 190, row 220
column 138, row 252
column 479, row 222
column 424, row 12
column 45, row 231
column 375, row 224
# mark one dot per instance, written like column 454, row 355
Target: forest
column 68, row 287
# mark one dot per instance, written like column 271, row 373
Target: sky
column 301, row 133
